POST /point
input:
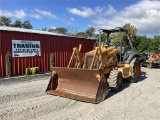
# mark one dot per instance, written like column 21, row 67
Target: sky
column 79, row 15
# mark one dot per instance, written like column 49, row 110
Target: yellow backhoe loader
column 99, row 71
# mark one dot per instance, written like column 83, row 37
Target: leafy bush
column 32, row 71
column 52, row 62
column 8, row 63
column 37, row 69
column 28, row 71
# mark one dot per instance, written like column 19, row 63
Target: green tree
column 26, row 24
column 90, row 32
column 143, row 45
column 51, row 30
column 148, row 44
column 17, row 23
column 132, row 30
column 5, row 21
column 59, row 30
column 44, row 29
column 155, row 46
column 81, row 34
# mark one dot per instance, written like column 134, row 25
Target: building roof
column 15, row 29
column 4, row 28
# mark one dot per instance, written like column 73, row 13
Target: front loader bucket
column 80, row 84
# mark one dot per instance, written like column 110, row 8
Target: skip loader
column 99, row 71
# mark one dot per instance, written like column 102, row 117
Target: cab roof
column 114, row 30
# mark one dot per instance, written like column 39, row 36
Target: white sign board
column 24, row 48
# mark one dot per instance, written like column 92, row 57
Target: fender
column 128, row 57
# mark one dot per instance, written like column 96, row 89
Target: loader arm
column 76, row 58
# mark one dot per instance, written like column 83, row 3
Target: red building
column 60, row 45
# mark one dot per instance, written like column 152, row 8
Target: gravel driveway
column 25, row 98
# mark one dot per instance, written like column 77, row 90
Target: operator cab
column 110, row 41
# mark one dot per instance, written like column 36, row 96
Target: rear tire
column 135, row 70
column 116, row 80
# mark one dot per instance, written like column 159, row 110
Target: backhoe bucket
column 80, row 84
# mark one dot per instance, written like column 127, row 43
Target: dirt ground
column 24, row 98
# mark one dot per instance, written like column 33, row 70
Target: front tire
column 116, row 80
